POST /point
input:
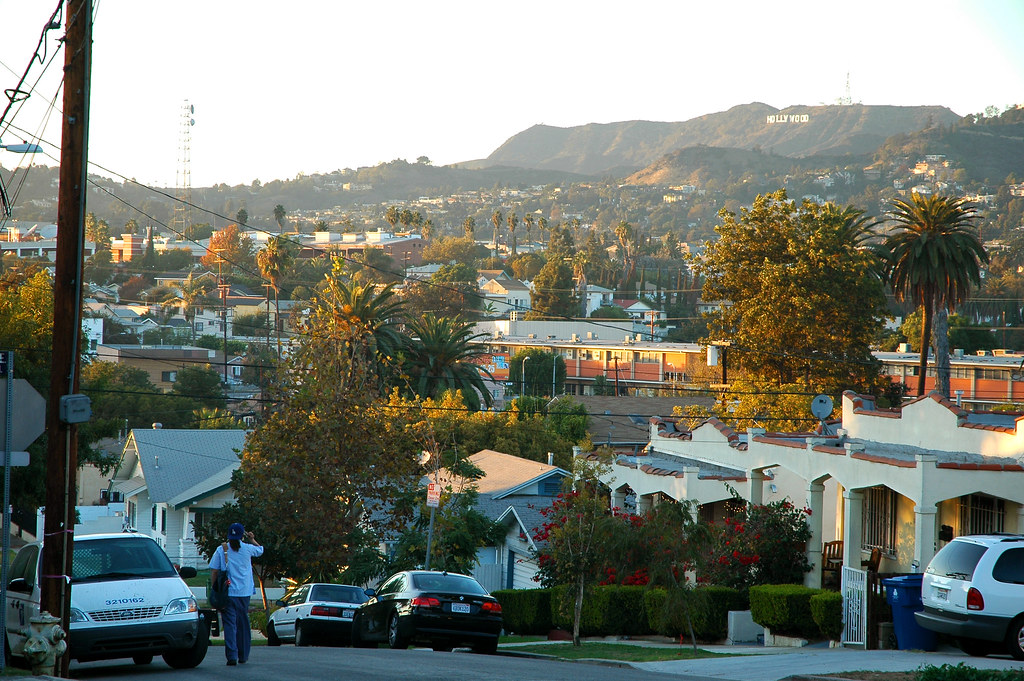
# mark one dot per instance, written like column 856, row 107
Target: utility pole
column 62, row 440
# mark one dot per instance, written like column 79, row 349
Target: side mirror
column 19, row 585
column 370, row 592
column 280, row 603
column 187, row 572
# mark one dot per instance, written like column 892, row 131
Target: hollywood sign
column 789, row 118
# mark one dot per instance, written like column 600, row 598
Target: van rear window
column 119, row 558
column 956, row 560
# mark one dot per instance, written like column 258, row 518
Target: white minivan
column 127, row 600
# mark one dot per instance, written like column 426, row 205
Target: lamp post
column 5, row 201
column 522, row 379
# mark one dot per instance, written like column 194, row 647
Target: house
column 160, row 362
column 902, row 481
column 598, row 296
column 505, row 295
column 172, row 480
column 512, row 492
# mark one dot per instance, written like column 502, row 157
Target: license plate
column 460, row 607
column 942, row 594
column 348, row 612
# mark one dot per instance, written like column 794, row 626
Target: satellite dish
column 821, row 407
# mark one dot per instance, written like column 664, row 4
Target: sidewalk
column 757, row 663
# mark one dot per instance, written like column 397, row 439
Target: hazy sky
column 305, row 86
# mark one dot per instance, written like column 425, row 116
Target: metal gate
column 855, row 607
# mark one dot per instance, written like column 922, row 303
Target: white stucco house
column 171, row 480
column 903, row 481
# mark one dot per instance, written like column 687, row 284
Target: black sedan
column 439, row 609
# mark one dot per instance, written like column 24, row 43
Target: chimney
column 157, row 426
column 551, row 458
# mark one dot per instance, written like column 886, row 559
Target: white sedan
column 315, row 613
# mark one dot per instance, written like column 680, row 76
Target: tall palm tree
column 469, row 226
column 513, row 222
column 496, row 221
column 279, row 213
column 542, row 225
column 528, row 225
column 440, row 357
column 933, row 259
column 273, row 261
column 391, row 215
column 191, row 296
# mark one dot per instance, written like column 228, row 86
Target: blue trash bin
column 904, row 595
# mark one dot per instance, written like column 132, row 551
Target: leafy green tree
column 441, row 357
column 374, row 266
column 552, row 294
column 215, row 419
column 242, row 216
column 453, row 249
column 799, row 298
column 231, row 250
column 934, row 259
column 542, row 369
column 98, row 232
column 202, row 384
column 526, row 266
column 451, row 292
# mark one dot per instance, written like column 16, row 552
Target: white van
column 127, row 600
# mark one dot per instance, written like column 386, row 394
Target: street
column 288, row 662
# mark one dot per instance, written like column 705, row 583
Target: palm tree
column 279, row 213
column 192, row 295
column 469, row 226
column 580, row 259
column 391, row 215
column 273, row 261
column 441, row 357
column 513, row 221
column 542, row 225
column 528, row 224
column 496, row 221
column 933, row 259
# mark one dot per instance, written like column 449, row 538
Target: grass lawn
column 623, row 652
column 521, row 639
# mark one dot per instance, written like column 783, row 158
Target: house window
column 879, row 518
column 199, row 327
column 168, row 376
column 980, row 514
column 994, row 374
column 153, row 518
column 132, row 514
column 163, row 521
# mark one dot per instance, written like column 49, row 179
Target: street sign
column 28, row 416
column 433, row 495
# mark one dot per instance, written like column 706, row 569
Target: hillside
column 797, row 131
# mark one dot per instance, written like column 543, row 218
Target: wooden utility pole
column 62, row 441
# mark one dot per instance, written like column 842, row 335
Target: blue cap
column 236, row 531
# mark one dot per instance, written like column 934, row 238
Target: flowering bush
column 758, row 544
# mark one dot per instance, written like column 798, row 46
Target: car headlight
column 77, row 616
column 180, row 606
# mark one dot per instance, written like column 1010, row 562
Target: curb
column 585, row 660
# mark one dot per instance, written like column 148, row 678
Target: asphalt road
column 288, row 662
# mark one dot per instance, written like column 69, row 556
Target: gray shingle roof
column 183, row 464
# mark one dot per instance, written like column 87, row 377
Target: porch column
column 815, row 495
column 756, row 493
column 924, row 535
column 618, row 498
column 853, row 526
column 644, row 504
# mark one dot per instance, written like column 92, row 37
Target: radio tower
column 182, row 218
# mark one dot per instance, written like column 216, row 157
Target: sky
column 281, row 89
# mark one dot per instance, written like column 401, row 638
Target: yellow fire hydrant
column 45, row 643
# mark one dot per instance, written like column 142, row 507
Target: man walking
column 235, row 558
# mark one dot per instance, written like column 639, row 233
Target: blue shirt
column 239, row 567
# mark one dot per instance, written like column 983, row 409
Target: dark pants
column 237, row 632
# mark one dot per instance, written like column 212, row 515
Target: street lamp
column 522, row 387
column 23, row 148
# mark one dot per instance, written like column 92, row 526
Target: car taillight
column 490, row 606
column 325, row 611
column 975, row 601
column 426, row 602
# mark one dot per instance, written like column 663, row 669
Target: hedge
column 827, row 611
column 784, row 608
column 709, row 611
column 525, row 611
column 607, row 610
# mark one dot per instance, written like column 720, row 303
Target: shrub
column 784, row 608
column 709, row 611
column 624, row 612
column 258, row 621
column 962, row 672
column 525, row 611
column 827, row 611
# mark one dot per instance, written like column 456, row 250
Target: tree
column 242, row 216
column 496, row 221
column 934, row 258
column 799, row 300
column 577, row 526
column 273, row 261
column 542, row 368
column 391, row 216
column 279, row 214
column 552, row 294
column 453, row 249
column 526, row 266
column 528, row 225
column 513, row 222
column 201, row 384
column 469, row 226
column 231, row 247
column 442, row 358
column 451, row 292
column 192, row 296
column 98, row 232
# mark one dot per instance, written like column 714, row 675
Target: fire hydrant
column 45, row 643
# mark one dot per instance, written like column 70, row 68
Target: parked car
column 127, row 600
column 973, row 590
column 315, row 613
column 439, row 609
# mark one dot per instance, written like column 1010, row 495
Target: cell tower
column 182, row 218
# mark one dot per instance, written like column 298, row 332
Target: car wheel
column 272, row 639
column 142, row 659
column 395, row 638
column 189, row 658
column 488, row 647
column 301, row 637
column 1015, row 639
column 975, row 647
